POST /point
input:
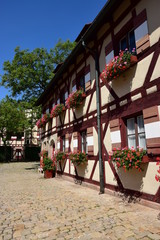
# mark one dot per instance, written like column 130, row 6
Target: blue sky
column 40, row 23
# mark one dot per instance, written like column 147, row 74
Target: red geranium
column 127, row 158
column 57, row 110
column 75, row 99
column 116, row 66
column 157, row 177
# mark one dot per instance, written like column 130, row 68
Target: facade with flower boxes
column 126, row 36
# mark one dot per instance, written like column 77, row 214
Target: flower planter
column 39, row 123
column 57, row 110
column 60, row 156
column 75, row 99
column 49, row 174
column 117, row 66
column 145, row 159
column 133, row 60
column 78, row 158
column 129, row 158
column 83, row 164
column 45, row 118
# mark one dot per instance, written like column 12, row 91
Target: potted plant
column 78, row 158
column 49, row 168
column 57, row 110
column 75, row 99
column 118, row 65
column 44, row 153
column 128, row 158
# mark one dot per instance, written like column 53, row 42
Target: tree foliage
column 17, row 117
column 12, row 118
column 28, row 74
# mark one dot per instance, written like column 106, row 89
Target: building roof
column 87, row 34
column 84, row 29
column 58, row 67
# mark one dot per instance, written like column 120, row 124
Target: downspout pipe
column 101, row 170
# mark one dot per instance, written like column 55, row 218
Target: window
column 84, row 141
column 82, row 83
column 66, row 95
column 43, row 129
column 47, row 110
column 50, row 125
column 62, row 97
column 128, row 41
column 141, row 31
column 136, row 132
column 63, row 143
column 109, row 56
column 73, row 86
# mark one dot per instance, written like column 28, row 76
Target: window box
column 78, row 158
column 118, row 65
column 128, row 158
column 75, row 99
column 57, row 110
column 145, row 159
column 45, row 118
column 42, row 121
column 133, row 60
column 39, row 123
column 60, row 156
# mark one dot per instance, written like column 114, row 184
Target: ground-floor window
column 84, row 141
column 136, row 132
column 63, row 143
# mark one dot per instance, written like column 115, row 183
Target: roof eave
column 105, row 13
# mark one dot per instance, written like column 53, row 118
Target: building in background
column 20, row 141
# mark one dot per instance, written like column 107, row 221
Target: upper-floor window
column 128, row 41
column 73, row 86
column 109, row 56
column 136, row 132
column 50, row 125
column 62, row 100
column 66, row 95
column 58, row 101
column 82, row 83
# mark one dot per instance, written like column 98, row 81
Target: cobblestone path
column 32, row 207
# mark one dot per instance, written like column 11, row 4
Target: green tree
column 12, row 119
column 28, row 74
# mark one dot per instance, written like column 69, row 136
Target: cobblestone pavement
column 32, row 207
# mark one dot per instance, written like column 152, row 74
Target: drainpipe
column 96, row 58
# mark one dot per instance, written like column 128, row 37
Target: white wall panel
column 115, row 137
column 152, row 130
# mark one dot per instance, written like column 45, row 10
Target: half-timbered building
column 129, row 103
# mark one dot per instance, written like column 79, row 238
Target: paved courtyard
column 32, row 207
